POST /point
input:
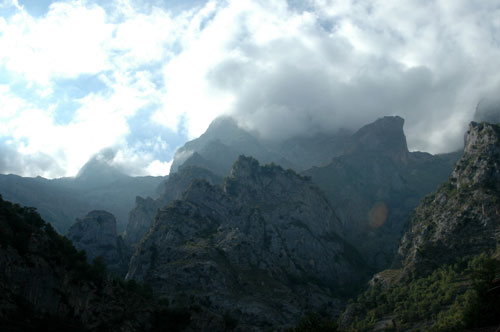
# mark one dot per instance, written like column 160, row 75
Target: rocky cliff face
column 96, row 234
column 463, row 216
column 264, row 248
column 385, row 137
column 141, row 218
column 376, row 183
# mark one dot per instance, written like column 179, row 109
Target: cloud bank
column 142, row 77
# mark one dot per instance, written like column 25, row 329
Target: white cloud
column 158, row 168
column 279, row 70
column 71, row 40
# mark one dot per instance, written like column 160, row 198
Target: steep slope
column 45, row 284
column 141, row 218
column 462, row 217
column 375, row 184
column 264, row 248
column 445, row 277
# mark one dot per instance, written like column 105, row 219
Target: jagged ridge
column 265, row 247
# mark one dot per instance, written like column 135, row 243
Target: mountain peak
column 461, row 218
column 244, row 167
column 385, row 136
column 98, row 170
column 479, row 164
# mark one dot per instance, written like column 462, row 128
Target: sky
column 142, row 77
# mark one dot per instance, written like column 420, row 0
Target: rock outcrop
column 96, row 234
column 141, row 218
column 264, row 248
column 463, row 216
column 375, row 185
column 385, row 137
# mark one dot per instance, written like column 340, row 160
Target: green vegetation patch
column 453, row 298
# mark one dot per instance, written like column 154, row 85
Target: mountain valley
column 251, row 235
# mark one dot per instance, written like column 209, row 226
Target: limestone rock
column 141, row 218
column 375, row 185
column 463, row 216
column 96, row 234
column 265, row 248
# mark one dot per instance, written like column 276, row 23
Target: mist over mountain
column 249, row 166
column 370, row 177
column 98, row 185
column 488, row 110
column 229, row 241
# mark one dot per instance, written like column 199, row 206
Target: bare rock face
column 375, row 185
column 463, row 216
column 384, row 136
column 141, row 218
column 96, row 234
column 264, row 248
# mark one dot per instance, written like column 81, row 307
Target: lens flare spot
column 378, row 215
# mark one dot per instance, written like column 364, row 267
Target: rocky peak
column 224, row 127
column 264, row 247
column 248, row 169
column 461, row 218
column 244, row 168
column 273, row 188
column 96, row 234
column 480, row 162
column 98, row 171
column 142, row 216
column 384, row 136
column 98, row 225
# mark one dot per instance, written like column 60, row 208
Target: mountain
column 445, row 274
column 218, row 148
column 462, row 217
column 376, row 183
column 98, row 172
column 264, row 248
column 142, row 216
column 46, row 284
column 97, row 186
column 225, row 140
column 370, row 177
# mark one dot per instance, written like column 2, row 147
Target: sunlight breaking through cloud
column 280, row 69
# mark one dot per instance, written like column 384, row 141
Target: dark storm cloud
column 304, row 95
column 346, row 64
